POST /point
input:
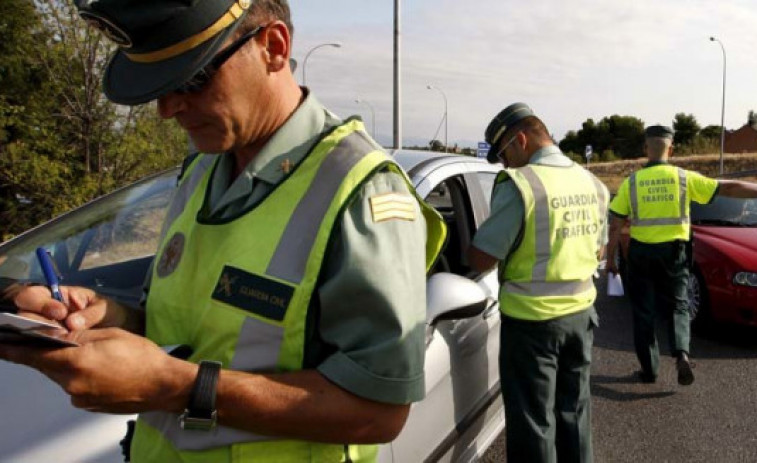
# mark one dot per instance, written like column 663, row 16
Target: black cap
column 658, row 131
column 508, row 117
column 162, row 43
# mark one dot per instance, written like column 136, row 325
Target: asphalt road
column 713, row 420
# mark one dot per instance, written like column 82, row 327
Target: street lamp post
column 445, row 112
column 722, row 108
column 397, row 100
column 373, row 116
column 305, row 61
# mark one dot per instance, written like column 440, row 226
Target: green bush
column 699, row 145
column 608, row 156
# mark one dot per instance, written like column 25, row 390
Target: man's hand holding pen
column 81, row 308
column 107, row 371
column 75, row 308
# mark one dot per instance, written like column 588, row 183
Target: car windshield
column 735, row 212
column 111, row 233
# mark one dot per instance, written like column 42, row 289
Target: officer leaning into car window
column 292, row 261
column 655, row 201
column 546, row 232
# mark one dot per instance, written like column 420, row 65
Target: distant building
column 743, row 140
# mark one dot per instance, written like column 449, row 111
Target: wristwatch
column 200, row 414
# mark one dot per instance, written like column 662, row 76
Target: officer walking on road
column 656, row 200
column 292, row 262
column 546, row 231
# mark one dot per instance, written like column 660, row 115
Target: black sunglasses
column 201, row 78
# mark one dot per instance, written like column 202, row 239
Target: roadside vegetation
column 61, row 142
column 734, row 165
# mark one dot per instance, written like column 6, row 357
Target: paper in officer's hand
column 15, row 329
column 614, row 284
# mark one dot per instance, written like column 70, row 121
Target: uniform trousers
column 658, row 275
column 544, row 369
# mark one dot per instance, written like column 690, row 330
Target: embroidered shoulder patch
column 392, row 206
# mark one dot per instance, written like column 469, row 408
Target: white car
column 109, row 243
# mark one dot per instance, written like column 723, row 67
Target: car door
column 106, row 245
column 462, row 412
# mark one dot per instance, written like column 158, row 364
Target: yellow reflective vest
column 549, row 274
column 657, row 200
column 239, row 291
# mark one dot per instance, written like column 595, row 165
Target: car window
column 440, row 199
column 487, row 182
column 117, row 228
column 451, row 199
column 131, row 232
column 725, row 211
column 480, row 186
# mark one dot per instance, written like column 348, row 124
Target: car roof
column 416, row 161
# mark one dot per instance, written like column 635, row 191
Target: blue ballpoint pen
column 50, row 277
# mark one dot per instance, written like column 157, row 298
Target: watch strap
column 201, row 409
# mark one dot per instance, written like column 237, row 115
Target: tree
column 622, row 135
column 752, row 119
column 61, row 142
column 20, row 78
column 436, row 145
column 686, row 129
column 710, row 132
column 570, row 143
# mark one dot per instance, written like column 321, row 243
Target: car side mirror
column 452, row 297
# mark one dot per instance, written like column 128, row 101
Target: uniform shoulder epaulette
column 390, row 206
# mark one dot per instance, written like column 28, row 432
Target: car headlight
column 745, row 279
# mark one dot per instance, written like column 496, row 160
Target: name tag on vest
column 253, row 293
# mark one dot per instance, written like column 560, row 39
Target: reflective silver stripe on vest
column 541, row 221
column 681, row 219
column 684, row 194
column 291, row 255
column 184, row 192
column 538, row 284
column 168, row 424
column 548, row 288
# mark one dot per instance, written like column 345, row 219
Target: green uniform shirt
column 501, row 232
column 369, row 334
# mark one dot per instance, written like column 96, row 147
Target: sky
column 570, row 60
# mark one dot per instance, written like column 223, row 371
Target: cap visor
column 131, row 83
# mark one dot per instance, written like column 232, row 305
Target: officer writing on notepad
column 292, row 261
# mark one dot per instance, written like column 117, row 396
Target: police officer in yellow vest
column 655, row 200
column 292, row 262
column 546, row 232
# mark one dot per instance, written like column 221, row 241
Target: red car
column 723, row 283
column 723, row 280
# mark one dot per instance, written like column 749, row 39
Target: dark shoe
column 645, row 377
column 685, row 374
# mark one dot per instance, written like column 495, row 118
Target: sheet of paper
column 614, row 284
column 21, row 330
